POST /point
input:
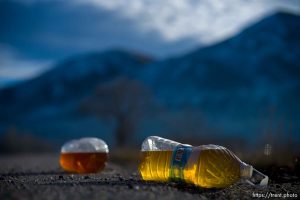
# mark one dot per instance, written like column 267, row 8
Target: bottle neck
column 245, row 170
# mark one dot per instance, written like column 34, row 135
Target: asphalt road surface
column 40, row 177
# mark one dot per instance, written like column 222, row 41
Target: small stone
column 121, row 178
column 136, row 187
column 60, row 177
column 86, row 177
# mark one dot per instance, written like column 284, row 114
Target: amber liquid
column 216, row 168
column 83, row 162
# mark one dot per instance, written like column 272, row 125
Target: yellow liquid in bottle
column 217, row 168
column 155, row 165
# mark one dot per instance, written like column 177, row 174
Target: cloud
column 202, row 21
column 36, row 31
column 206, row 21
column 56, row 30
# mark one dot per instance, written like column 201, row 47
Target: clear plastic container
column 209, row 166
column 85, row 155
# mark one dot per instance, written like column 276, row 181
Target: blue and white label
column 179, row 160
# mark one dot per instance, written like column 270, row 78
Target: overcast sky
column 34, row 34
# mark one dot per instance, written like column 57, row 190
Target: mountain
column 245, row 85
column 264, row 47
column 70, row 81
column 264, row 58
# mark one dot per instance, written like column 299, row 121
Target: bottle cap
column 246, row 170
column 258, row 178
column 253, row 176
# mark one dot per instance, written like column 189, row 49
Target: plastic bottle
column 208, row 166
column 85, row 155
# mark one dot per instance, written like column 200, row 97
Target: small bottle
column 208, row 166
column 85, row 155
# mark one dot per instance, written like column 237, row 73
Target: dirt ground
column 38, row 176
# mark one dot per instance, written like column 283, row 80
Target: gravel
column 39, row 176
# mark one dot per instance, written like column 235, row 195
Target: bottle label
column 179, row 160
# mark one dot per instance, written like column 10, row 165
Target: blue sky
column 34, row 34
